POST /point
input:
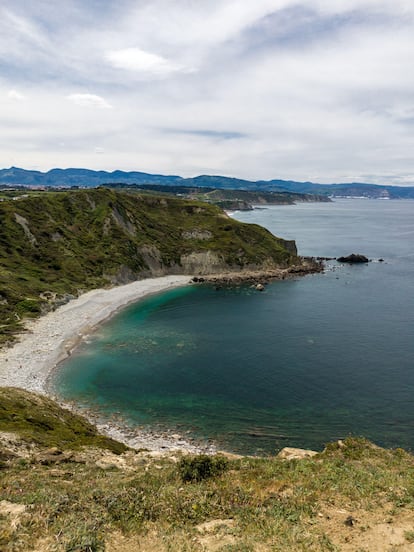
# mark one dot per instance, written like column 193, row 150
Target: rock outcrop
column 354, row 258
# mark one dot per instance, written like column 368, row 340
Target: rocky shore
column 308, row 265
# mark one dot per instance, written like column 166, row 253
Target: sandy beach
column 51, row 338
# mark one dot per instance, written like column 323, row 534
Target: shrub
column 202, row 467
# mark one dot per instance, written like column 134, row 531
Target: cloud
column 135, row 59
column 23, row 28
column 205, row 133
column 16, row 95
column 89, row 100
column 303, row 89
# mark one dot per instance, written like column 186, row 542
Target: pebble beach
column 48, row 340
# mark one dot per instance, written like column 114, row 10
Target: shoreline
column 30, row 362
column 308, row 265
column 50, row 339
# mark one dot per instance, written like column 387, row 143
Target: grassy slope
column 79, row 238
column 40, row 420
column 217, row 195
column 353, row 496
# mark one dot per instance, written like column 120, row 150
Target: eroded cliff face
column 195, row 264
column 67, row 242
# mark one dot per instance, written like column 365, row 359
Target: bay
column 303, row 363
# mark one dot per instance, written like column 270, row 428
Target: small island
column 353, row 258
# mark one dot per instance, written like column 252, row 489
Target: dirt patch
column 12, row 513
column 216, row 534
column 369, row 531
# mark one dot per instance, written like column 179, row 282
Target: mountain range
column 86, row 178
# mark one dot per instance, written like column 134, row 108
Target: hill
column 78, row 177
column 229, row 199
column 88, row 178
column 56, row 495
column 54, row 245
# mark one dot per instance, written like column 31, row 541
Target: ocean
column 303, row 363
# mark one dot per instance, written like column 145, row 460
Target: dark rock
column 353, row 259
column 380, row 260
column 350, row 521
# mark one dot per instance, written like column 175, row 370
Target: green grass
column 264, row 503
column 40, row 420
column 97, row 503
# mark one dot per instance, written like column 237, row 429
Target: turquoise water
column 303, row 363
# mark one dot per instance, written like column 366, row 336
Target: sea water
column 303, row 363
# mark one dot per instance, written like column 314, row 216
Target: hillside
column 58, row 496
column 57, row 244
column 88, row 178
column 229, row 199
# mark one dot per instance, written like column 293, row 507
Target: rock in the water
column 289, row 453
column 353, row 258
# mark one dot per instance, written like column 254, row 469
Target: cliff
column 57, row 244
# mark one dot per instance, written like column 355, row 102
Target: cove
column 303, row 363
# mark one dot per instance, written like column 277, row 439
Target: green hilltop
column 57, row 243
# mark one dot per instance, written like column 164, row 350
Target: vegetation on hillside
column 353, row 496
column 41, row 421
column 58, row 243
column 225, row 198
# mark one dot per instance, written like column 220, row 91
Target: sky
column 319, row 90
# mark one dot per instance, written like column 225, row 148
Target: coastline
column 307, row 266
column 50, row 339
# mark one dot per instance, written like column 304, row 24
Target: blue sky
column 318, row 90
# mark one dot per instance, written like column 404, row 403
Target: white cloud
column 135, row 59
column 16, row 95
column 89, row 100
column 319, row 89
column 22, row 27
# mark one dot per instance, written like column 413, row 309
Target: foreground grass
column 353, row 496
column 267, row 502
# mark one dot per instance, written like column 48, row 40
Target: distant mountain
column 354, row 189
column 87, row 178
column 79, row 177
